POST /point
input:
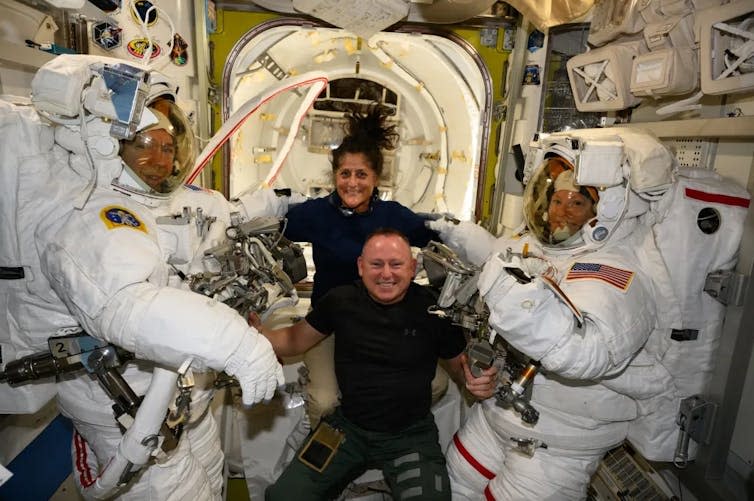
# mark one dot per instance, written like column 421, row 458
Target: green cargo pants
column 411, row 461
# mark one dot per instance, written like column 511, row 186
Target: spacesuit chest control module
column 457, row 283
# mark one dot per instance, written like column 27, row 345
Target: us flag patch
column 593, row 271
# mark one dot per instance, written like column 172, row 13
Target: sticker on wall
column 531, row 74
column 106, row 35
column 536, row 41
column 139, row 46
column 143, row 11
column 509, row 37
column 179, row 52
column 488, row 37
column 211, row 11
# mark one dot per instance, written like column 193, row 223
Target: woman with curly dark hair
column 337, row 225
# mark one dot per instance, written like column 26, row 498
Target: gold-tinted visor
column 162, row 154
column 555, row 207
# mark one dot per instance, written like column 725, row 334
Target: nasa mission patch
column 117, row 217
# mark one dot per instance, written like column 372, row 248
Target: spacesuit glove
column 256, row 368
column 468, row 239
column 265, row 202
column 296, row 198
column 527, row 315
column 494, row 275
column 525, row 268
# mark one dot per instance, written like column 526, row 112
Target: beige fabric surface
column 547, row 13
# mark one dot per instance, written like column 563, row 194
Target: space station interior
column 481, row 93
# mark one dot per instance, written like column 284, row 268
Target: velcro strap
column 8, row 273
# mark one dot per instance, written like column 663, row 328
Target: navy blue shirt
column 385, row 355
column 337, row 238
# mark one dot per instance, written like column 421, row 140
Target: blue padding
column 42, row 466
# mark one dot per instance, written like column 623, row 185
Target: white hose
column 317, row 81
column 137, row 445
column 284, row 302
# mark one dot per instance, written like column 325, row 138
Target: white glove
column 527, row 315
column 257, row 369
column 502, row 265
column 494, row 275
column 296, row 198
column 530, row 266
column 265, row 202
column 465, row 238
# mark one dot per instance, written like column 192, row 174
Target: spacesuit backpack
column 25, row 161
column 701, row 219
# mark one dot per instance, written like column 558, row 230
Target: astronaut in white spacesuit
column 116, row 232
column 597, row 289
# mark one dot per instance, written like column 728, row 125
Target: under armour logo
column 409, row 332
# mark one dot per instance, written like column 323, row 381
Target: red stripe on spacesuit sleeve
column 473, row 462
column 717, row 198
column 488, row 494
column 82, row 465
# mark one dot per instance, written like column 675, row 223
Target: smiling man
column 151, row 154
column 386, row 350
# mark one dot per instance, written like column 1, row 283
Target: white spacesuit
column 115, row 233
column 598, row 289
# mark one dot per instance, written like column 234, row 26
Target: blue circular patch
column 122, row 216
column 600, row 233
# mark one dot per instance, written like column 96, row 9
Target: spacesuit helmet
column 555, row 206
column 586, row 186
column 103, row 108
column 160, row 156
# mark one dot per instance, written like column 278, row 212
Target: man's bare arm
column 292, row 340
column 481, row 387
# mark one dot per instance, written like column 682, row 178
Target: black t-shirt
column 385, row 355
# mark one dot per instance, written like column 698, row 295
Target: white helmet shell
column 607, row 176
column 102, row 106
column 158, row 159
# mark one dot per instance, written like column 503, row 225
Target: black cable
column 178, row 272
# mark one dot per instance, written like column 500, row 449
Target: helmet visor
column 162, row 154
column 555, row 207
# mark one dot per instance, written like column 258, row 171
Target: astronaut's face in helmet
column 151, row 156
column 162, row 154
column 555, row 207
column 567, row 213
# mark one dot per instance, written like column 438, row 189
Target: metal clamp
column 528, row 446
column 726, row 286
column 695, row 419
